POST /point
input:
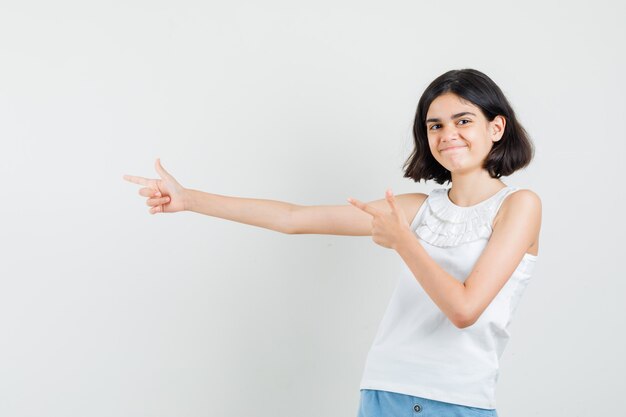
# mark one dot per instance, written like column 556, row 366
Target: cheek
column 433, row 148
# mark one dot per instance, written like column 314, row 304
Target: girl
column 469, row 250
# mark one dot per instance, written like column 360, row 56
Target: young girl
column 468, row 250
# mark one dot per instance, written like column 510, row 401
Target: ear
column 496, row 128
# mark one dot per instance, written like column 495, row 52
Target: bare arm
column 347, row 220
column 290, row 218
column 269, row 214
column 166, row 195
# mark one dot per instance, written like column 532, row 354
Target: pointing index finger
column 137, row 180
column 366, row 208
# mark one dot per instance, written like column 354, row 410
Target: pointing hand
column 388, row 229
column 166, row 195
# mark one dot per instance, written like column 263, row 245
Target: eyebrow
column 454, row 116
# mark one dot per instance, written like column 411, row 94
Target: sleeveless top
column 417, row 350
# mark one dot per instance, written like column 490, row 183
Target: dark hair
column 512, row 152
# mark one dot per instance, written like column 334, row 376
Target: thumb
column 160, row 170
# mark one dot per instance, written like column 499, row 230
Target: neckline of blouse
column 450, row 203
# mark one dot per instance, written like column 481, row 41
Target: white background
column 106, row 310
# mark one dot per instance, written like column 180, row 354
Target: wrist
column 187, row 199
column 406, row 239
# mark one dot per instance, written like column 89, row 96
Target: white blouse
column 417, row 350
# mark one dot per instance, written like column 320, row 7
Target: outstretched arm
column 166, row 195
column 280, row 216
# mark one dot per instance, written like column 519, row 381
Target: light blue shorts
column 375, row 403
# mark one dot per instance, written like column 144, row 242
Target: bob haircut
column 512, row 152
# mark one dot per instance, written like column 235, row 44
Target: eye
column 461, row 120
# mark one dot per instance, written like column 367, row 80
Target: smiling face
column 459, row 135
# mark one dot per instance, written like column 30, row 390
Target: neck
column 472, row 188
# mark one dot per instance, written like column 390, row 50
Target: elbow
column 464, row 319
column 463, row 323
column 467, row 313
column 285, row 229
column 287, row 225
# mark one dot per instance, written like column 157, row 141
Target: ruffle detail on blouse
column 445, row 224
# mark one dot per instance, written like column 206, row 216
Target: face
column 459, row 135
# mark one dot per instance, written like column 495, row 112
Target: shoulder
column 523, row 199
column 411, row 203
column 411, row 199
column 413, row 196
column 523, row 204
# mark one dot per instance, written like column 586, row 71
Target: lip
column 453, row 147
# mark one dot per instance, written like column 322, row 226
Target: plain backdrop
column 107, row 310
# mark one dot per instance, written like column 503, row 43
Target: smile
column 455, row 147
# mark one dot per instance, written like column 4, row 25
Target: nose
column 448, row 133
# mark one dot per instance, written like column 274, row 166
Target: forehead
column 448, row 104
